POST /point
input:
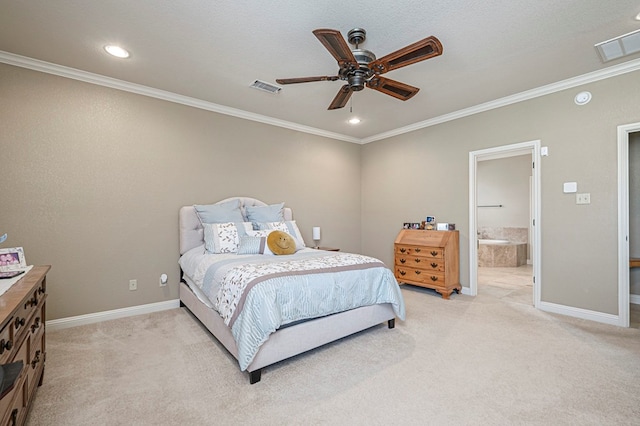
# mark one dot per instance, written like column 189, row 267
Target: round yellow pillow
column 281, row 243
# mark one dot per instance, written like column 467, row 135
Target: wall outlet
column 163, row 280
column 584, row 198
column 133, row 285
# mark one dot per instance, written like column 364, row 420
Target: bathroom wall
column 504, row 182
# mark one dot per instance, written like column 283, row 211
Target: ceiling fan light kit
column 360, row 68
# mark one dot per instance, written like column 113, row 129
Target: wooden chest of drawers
column 428, row 259
column 22, row 338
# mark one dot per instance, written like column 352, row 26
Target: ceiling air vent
column 618, row 47
column 264, row 86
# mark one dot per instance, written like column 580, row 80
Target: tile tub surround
column 502, row 254
column 516, row 235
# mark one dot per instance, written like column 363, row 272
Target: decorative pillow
column 220, row 213
column 271, row 213
column 281, row 243
column 224, row 237
column 289, row 226
column 253, row 245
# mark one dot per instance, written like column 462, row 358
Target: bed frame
column 285, row 342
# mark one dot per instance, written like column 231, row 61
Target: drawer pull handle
column 418, row 250
column 403, row 250
column 35, row 325
column 434, row 253
column 417, row 260
column 41, row 290
column 434, row 278
column 5, row 345
column 417, row 272
column 19, row 322
column 434, row 265
column 36, row 360
column 403, row 273
column 31, row 302
column 403, row 260
column 14, row 417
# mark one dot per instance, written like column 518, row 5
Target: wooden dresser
column 22, row 338
column 428, row 259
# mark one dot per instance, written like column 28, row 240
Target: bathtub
column 483, row 241
column 501, row 253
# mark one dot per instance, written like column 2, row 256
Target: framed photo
column 406, row 225
column 415, row 226
column 12, row 259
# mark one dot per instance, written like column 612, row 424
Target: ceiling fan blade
column 341, row 98
column 337, row 46
column 416, row 52
column 306, row 79
column 393, row 88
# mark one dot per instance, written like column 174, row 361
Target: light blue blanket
column 275, row 299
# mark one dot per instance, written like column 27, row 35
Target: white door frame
column 533, row 148
column 623, row 221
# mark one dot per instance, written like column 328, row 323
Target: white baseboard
column 580, row 313
column 61, row 323
column 634, row 298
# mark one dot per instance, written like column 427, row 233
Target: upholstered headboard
column 191, row 231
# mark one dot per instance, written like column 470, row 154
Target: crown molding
column 113, row 83
column 569, row 83
column 87, row 77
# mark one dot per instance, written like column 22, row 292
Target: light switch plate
column 570, row 187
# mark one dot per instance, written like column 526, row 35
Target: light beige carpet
column 465, row 361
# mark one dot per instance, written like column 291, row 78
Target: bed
column 363, row 292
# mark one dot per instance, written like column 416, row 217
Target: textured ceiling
column 213, row 50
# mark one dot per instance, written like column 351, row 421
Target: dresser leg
column 41, row 377
column 392, row 323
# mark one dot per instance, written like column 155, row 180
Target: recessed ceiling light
column 116, row 51
column 354, row 120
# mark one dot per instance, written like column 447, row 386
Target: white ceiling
column 212, row 50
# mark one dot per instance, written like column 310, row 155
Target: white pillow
column 224, row 237
column 289, row 226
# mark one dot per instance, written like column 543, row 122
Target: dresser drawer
column 6, row 342
column 420, row 262
column 421, row 276
column 428, row 252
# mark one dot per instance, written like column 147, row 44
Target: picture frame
column 12, row 259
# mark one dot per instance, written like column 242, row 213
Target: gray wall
column 505, row 182
column 426, row 172
column 93, row 179
column 96, row 177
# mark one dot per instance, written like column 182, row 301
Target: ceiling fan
column 360, row 68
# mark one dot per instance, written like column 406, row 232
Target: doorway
column 625, row 135
column 530, row 150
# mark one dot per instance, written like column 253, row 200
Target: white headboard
column 191, row 231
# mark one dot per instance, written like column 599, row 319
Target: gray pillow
column 271, row 213
column 252, row 245
column 220, row 213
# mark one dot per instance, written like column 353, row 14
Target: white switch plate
column 569, row 187
column 584, row 198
